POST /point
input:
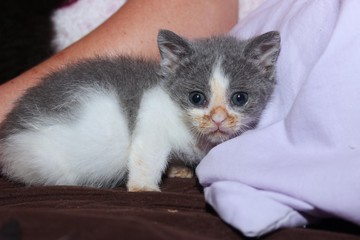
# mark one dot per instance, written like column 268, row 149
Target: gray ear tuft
column 264, row 49
column 173, row 49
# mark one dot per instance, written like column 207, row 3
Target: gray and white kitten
column 101, row 121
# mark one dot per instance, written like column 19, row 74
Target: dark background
column 25, row 34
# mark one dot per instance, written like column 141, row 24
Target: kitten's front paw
column 179, row 172
column 133, row 187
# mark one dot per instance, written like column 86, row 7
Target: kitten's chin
column 218, row 137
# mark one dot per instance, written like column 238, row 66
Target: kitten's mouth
column 219, row 135
column 219, row 132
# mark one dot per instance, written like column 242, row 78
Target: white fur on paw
column 142, row 188
column 179, row 172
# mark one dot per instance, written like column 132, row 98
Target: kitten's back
column 61, row 93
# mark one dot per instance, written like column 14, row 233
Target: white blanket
column 303, row 160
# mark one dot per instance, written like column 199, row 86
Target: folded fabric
column 303, row 160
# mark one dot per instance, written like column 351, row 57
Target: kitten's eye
column 197, row 98
column 239, row 99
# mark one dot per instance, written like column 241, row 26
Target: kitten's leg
column 159, row 129
column 179, row 172
column 147, row 162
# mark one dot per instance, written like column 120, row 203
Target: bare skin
column 132, row 31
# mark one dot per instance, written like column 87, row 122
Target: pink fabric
column 304, row 158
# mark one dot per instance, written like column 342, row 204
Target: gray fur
column 57, row 95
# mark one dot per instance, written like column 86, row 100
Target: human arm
column 132, row 30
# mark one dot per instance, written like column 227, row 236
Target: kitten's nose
column 218, row 115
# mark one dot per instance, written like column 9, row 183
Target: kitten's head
column 221, row 83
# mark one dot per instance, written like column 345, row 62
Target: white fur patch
column 219, row 85
column 159, row 130
column 87, row 151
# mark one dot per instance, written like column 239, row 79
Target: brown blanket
column 178, row 212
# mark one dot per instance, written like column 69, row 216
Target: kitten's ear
column 264, row 49
column 173, row 49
